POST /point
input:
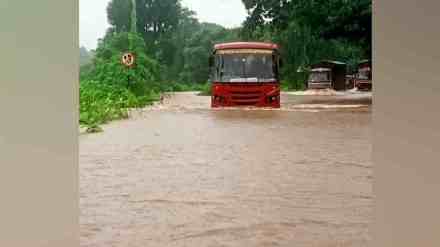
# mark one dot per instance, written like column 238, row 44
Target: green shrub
column 100, row 103
column 293, row 85
column 108, row 89
column 108, row 69
column 206, row 89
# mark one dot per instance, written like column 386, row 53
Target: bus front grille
column 245, row 97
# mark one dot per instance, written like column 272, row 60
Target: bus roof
column 246, row 45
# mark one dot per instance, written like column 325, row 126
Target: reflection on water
column 182, row 174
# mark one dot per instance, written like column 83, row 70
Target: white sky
column 93, row 17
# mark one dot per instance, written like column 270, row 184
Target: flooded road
column 181, row 174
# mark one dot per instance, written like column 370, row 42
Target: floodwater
column 181, row 174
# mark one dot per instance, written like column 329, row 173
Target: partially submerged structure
column 349, row 81
column 328, row 74
column 363, row 79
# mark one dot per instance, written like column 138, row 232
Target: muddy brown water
column 182, row 174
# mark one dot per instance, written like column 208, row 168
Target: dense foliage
column 108, row 88
column 142, row 78
column 309, row 31
column 102, row 102
column 173, row 37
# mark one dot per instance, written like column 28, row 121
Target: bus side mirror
column 281, row 63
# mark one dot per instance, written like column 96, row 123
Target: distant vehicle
column 328, row 75
column 245, row 74
column 363, row 79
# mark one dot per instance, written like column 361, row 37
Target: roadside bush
column 292, row 85
column 85, row 71
column 143, row 77
column 101, row 103
column 206, row 89
column 108, row 89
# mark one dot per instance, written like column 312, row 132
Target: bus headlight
column 217, row 98
column 272, row 98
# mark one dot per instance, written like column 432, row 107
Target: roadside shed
column 338, row 72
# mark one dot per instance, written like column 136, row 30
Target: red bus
column 245, row 74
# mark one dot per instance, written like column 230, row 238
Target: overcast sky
column 93, row 17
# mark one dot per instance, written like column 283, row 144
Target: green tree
column 329, row 19
column 309, row 31
column 199, row 47
column 119, row 15
column 143, row 77
column 156, row 21
column 187, row 26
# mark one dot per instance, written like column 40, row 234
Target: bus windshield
column 245, row 67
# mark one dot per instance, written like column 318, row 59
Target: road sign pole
column 128, row 61
column 128, row 78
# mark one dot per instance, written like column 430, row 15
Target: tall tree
column 119, row 15
column 172, row 34
column 187, row 26
column 199, row 47
column 157, row 17
column 329, row 19
column 311, row 30
column 157, row 22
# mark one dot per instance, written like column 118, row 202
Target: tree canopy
column 307, row 30
column 118, row 15
column 311, row 30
